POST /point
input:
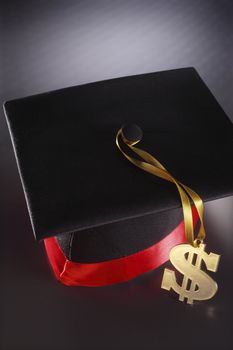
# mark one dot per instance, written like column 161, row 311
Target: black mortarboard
column 78, row 186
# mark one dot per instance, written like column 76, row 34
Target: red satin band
column 116, row 270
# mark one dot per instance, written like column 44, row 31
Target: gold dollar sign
column 196, row 284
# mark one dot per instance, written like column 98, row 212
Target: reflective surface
column 48, row 45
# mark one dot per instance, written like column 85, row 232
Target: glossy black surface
column 48, row 45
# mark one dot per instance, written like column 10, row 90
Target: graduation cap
column 103, row 220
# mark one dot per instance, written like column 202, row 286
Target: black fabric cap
column 74, row 176
column 119, row 239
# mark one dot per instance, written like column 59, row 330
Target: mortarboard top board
column 78, row 186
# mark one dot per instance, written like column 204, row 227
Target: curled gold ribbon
column 154, row 167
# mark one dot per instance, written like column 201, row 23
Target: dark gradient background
column 48, row 45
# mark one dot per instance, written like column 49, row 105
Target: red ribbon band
column 116, row 270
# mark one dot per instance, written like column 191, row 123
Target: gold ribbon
column 154, row 167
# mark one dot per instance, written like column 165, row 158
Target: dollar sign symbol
column 196, row 284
